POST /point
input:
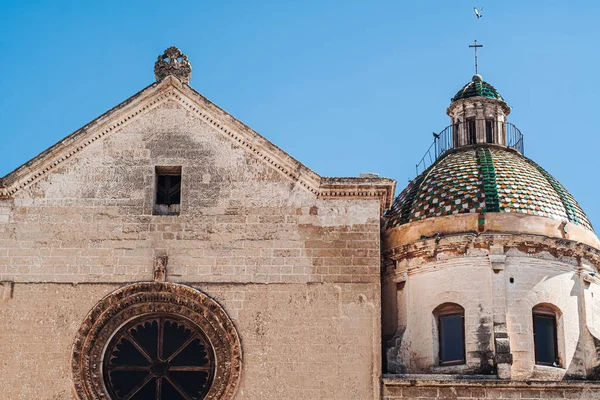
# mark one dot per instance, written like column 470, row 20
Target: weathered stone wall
column 299, row 341
column 298, row 275
column 449, row 388
column 537, row 281
column 464, row 281
column 497, row 279
column 90, row 220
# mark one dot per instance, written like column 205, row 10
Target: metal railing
column 444, row 141
column 514, row 138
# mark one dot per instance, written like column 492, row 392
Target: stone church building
column 168, row 251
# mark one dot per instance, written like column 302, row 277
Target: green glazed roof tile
column 477, row 88
column 485, row 179
column 488, row 174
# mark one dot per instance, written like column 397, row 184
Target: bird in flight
column 478, row 13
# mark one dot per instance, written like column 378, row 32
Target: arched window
column 450, row 323
column 159, row 356
column 544, row 335
column 157, row 341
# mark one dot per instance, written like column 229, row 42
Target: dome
column 477, row 88
column 480, row 179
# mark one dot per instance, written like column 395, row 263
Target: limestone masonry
column 168, row 251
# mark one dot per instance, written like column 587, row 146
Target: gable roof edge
column 39, row 165
column 323, row 187
column 245, row 136
column 219, row 119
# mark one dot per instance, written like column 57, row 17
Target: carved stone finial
column 173, row 62
column 160, row 268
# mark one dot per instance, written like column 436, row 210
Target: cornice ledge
column 3, row 191
column 461, row 244
column 422, row 380
column 359, row 188
column 478, row 99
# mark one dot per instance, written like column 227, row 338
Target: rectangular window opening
column 167, row 196
column 452, row 339
column 544, row 337
column 471, row 131
column 489, row 131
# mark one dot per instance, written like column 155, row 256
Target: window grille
column 159, row 357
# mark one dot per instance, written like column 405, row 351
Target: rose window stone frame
column 147, row 298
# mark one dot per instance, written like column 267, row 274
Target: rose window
column 159, row 357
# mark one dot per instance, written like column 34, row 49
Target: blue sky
column 343, row 86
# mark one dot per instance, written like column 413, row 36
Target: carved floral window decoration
column 156, row 341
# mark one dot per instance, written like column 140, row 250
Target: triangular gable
column 172, row 89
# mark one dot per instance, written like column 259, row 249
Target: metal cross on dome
column 475, row 46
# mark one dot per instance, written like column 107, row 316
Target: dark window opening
column 489, row 131
column 168, row 191
column 451, row 334
column 544, row 337
column 471, row 131
column 159, row 357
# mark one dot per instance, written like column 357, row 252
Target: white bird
column 478, row 13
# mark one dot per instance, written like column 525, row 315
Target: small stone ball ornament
column 173, row 62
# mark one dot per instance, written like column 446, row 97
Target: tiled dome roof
column 477, row 88
column 485, row 179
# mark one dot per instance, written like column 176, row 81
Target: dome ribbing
column 477, row 88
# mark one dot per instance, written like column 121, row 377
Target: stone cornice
column 474, row 101
column 172, row 89
column 445, row 247
column 483, row 381
column 490, row 222
column 382, row 188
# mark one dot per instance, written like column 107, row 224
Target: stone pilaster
column 501, row 339
column 394, row 364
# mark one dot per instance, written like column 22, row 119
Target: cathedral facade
column 167, row 251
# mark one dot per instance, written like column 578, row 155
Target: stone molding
column 460, row 106
column 359, row 188
column 488, row 223
column 145, row 298
column 497, row 257
column 171, row 89
column 446, row 386
column 488, row 245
